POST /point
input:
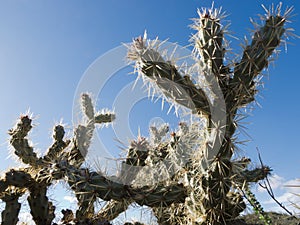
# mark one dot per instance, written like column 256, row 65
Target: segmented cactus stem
column 256, row 57
column 12, row 208
column 175, row 86
column 20, row 143
column 59, row 144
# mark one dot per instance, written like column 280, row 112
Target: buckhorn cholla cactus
column 173, row 173
column 212, row 182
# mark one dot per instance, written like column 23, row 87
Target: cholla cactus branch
column 256, row 57
column 42, row 210
column 12, row 208
column 87, row 106
column 84, row 133
column 59, row 144
column 109, row 190
column 105, row 118
column 21, row 145
column 21, row 179
column 208, row 40
column 254, row 175
column 174, row 86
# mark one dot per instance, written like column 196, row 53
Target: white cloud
column 276, row 182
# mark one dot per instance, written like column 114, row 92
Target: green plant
column 258, row 209
column 188, row 176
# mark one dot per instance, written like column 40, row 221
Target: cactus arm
column 254, row 175
column 42, row 210
column 21, row 145
column 208, row 42
column 84, row 133
column 181, row 89
column 104, row 118
column 81, row 142
column 12, row 208
column 256, row 57
column 161, row 195
column 173, row 85
column 18, row 178
column 84, row 181
column 87, row 108
column 59, row 144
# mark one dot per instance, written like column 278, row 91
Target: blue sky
column 46, row 46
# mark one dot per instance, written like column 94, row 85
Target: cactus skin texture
column 169, row 172
column 12, row 208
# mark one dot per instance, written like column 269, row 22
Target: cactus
column 212, row 176
column 185, row 176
